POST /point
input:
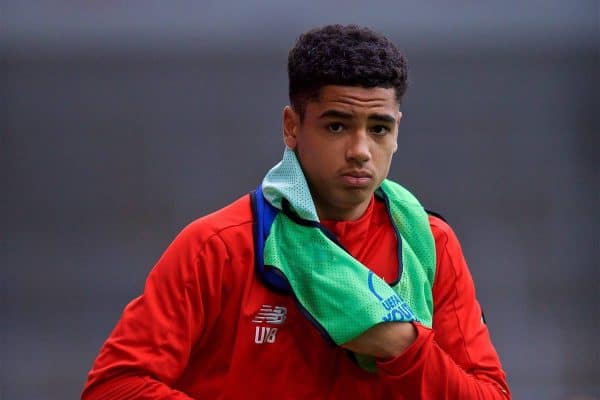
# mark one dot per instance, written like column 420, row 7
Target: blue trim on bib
column 264, row 214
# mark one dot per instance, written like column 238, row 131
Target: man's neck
column 328, row 213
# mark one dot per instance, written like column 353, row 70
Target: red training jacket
column 206, row 327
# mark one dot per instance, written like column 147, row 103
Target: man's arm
column 150, row 345
column 455, row 360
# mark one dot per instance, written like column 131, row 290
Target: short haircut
column 348, row 55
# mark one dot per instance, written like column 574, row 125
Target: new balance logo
column 268, row 315
column 271, row 315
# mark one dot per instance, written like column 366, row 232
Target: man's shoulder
column 236, row 216
column 440, row 228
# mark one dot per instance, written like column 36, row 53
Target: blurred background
column 122, row 121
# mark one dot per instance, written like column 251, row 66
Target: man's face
column 345, row 145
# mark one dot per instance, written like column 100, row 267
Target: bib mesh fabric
column 286, row 180
column 418, row 250
column 341, row 295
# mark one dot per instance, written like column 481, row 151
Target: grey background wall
column 123, row 121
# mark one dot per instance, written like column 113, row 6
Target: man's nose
column 358, row 147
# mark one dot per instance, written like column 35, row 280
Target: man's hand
column 385, row 340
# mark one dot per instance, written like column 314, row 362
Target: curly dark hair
column 348, row 55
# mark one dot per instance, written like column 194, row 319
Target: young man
column 328, row 281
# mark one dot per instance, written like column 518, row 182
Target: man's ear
column 398, row 118
column 291, row 125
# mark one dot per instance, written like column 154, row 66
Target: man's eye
column 380, row 130
column 336, row 127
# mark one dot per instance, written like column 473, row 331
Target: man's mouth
column 357, row 178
